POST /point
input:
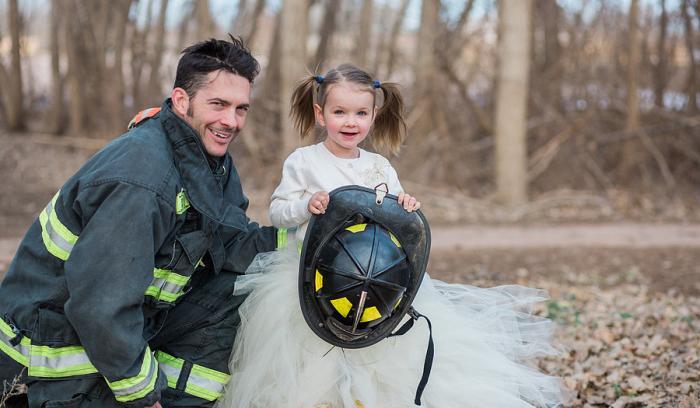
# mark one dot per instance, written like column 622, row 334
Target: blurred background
column 591, row 104
column 553, row 143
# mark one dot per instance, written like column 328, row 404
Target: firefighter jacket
column 115, row 248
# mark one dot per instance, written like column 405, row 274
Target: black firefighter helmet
column 361, row 265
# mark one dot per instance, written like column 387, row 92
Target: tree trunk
column 630, row 151
column 392, row 44
column 117, row 70
column 293, row 26
column 326, row 34
column 138, row 58
column 660, row 68
column 155, row 83
column 14, row 105
column 364, row 34
column 205, row 23
column 692, row 86
column 511, row 100
column 427, row 41
column 253, row 26
column 56, row 122
column 75, row 74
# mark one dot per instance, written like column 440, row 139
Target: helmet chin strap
column 429, row 354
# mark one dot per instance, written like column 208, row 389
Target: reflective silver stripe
column 167, row 286
column 60, row 362
column 134, row 390
column 55, row 237
column 206, row 383
column 18, row 352
column 172, row 374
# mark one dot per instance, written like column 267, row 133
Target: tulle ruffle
column 484, row 340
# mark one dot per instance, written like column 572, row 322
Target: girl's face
column 348, row 115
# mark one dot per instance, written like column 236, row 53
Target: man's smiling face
column 217, row 111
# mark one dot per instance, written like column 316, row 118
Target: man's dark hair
column 200, row 59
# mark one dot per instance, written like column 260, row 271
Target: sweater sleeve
column 109, row 269
column 288, row 206
column 392, row 179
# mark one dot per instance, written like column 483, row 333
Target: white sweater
column 313, row 168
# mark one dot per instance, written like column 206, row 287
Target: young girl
column 482, row 336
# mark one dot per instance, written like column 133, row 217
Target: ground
column 625, row 293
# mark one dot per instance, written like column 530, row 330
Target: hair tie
column 377, row 84
column 319, row 79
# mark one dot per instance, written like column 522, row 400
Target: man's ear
column 318, row 112
column 181, row 101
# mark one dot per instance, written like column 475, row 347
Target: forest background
column 520, row 113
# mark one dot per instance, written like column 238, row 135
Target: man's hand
column 318, row 202
column 409, row 203
column 156, row 405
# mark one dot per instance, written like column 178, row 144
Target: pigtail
column 389, row 125
column 302, row 110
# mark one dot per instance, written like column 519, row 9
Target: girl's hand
column 409, row 203
column 318, row 202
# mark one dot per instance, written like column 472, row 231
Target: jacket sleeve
column 242, row 246
column 288, row 206
column 108, row 271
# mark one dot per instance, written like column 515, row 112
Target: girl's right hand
column 318, row 202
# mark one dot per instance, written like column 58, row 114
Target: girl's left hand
column 409, row 203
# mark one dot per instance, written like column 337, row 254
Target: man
column 121, row 292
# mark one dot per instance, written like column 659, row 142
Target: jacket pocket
column 171, row 281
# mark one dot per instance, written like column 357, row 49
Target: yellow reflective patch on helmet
column 371, row 313
column 356, row 228
column 319, row 280
column 342, row 305
column 394, row 240
column 397, row 303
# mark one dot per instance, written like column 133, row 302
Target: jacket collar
column 204, row 191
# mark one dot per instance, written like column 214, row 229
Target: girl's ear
column 318, row 112
column 181, row 101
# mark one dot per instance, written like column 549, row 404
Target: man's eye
column 244, row 108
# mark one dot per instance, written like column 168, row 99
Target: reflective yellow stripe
column 59, row 362
column 181, row 202
column 202, row 382
column 138, row 386
column 19, row 352
column 394, row 240
column 58, row 239
column 282, row 238
column 167, row 285
column 45, row 361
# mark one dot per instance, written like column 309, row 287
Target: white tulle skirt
column 484, row 340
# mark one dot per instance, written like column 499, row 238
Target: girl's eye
column 337, row 112
column 362, row 113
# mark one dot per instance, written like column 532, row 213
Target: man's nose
column 230, row 119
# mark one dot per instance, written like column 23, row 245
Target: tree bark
column 14, row 105
column 392, row 44
column 660, row 68
column 253, row 26
column 56, row 122
column 326, row 34
column 364, row 34
column 117, row 70
column 204, row 20
column 511, row 100
column 692, row 86
column 155, row 83
column 293, row 26
column 630, row 149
